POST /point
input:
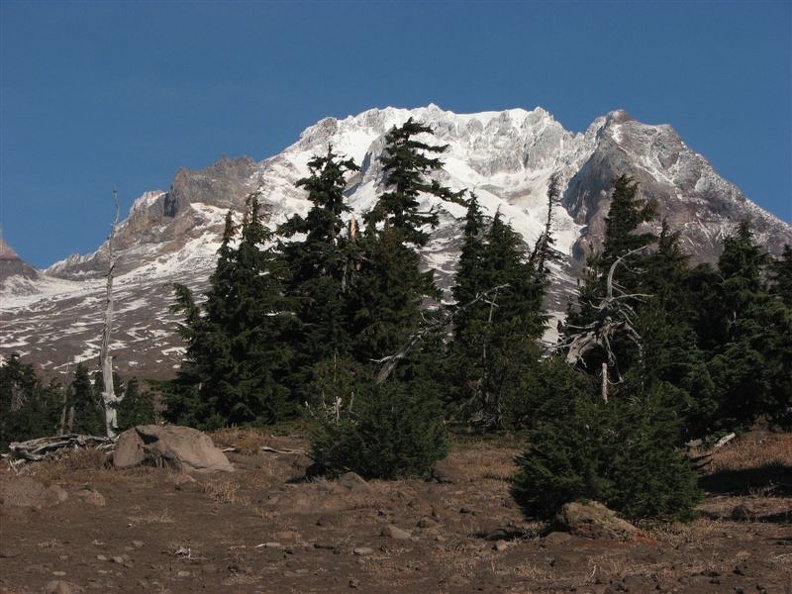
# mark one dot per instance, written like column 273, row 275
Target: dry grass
column 244, row 440
column 485, row 463
column 755, row 450
column 70, row 465
column 223, row 490
column 159, row 517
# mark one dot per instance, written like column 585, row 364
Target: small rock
column 742, row 513
column 59, row 587
column 353, row 481
column 501, row 545
column 427, row 522
column 594, row 520
column 557, row 538
column 353, row 583
column 363, row 551
column 137, row 544
column 101, row 558
column 92, row 497
column 391, row 531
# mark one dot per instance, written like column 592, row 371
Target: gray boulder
column 594, row 520
column 183, row 447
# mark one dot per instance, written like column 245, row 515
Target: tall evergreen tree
column 750, row 346
column 28, row 407
column 498, row 317
column 321, row 263
column 237, row 342
column 85, row 409
column 387, row 300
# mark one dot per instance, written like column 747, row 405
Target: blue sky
column 102, row 95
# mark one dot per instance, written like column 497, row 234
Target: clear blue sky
column 97, row 95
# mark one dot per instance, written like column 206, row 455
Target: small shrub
column 622, row 453
column 393, row 431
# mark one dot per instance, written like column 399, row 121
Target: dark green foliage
column 28, row 407
column 407, row 167
column 237, row 342
column 619, row 453
column 497, row 320
column 750, row 338
column 392, row 431
column 388, row 295
column 137, row 408
column 321, row 264
column 84, row 411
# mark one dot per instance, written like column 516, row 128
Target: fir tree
column 750, row 345
column 237, row 342
column 321, row 264
column 498, row 298
column 387, row 299
column 85, row 409
column 28, row 407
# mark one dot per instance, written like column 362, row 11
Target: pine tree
column 394, row 428
column 750, row 346
column 387, row 298
column 321, row 263
column 498, row 317
column 28, row 407
column 237, row 355
column 85, row 408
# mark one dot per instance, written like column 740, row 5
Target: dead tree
column 110, row 399
column 614, row 316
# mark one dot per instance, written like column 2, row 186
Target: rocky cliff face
column 506, row 158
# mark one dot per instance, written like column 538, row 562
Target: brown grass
column 223, row 491
column 756, row 450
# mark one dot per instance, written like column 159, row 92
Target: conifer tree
column 499, row 299
column 321, row 263
column 85, row 411
column 28, row 407
column 388, row 297
column 394, row 427
column 237, row 342
column 750, row 346
column 599, row 447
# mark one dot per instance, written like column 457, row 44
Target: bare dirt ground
column 265, row 529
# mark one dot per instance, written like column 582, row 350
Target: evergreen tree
column 85, row 411
column 750, row 348
column 237, row 355
column 387, row 298
column 321, row 263
column 137, row 408
column 28, row 407
column 394, row 428
column 601, row 328
column 497, row 319
column 618, row 453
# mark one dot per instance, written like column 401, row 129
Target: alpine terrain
column 54, row 317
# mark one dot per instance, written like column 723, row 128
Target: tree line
column 337, row 320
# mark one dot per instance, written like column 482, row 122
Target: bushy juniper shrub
column 622, row 453
column 393, row 431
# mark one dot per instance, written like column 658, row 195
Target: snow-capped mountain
column 506, row 158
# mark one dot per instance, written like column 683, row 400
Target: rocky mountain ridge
column 506, row 158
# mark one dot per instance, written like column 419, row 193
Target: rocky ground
column 76, row 525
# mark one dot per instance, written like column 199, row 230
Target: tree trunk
column 109, row 398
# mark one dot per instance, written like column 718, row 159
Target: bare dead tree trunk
column 109, row 397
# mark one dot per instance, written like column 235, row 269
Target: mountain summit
column 506, row 158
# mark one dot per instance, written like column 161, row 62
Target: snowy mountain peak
column 506, row 157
